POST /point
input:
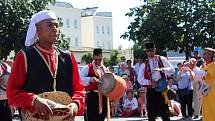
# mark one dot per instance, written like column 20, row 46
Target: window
column 75, row 23
column 59, row 18
column 60, row 21
column 108, row 30
column 67, row 23
column 108, row 44
column 76, row 42
column 97, row 29
column 103, row 29
column 103, row 45
column 98, row 44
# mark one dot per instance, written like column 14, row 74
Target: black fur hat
column 150, row 45
column 97, row 51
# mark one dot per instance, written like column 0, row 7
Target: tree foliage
column 62, row 42
column 139, row 51
column 87, row 57
column 114, row 58
column 14, row 21
column 173, row 24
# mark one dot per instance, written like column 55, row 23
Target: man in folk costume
column 96, row 104
column 5, row 110
column 155, row 68
column 42, row 67
column 208, row 73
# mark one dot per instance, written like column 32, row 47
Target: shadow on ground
column 145, row 119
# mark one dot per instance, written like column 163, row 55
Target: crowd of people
column 184, row 88
column 154, row 88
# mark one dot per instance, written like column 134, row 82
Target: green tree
column 114, row 58
column 175, row 24
column 62, row 42
column 87, row 58
column 14, row 21
column 106, row 61
column 139, row 51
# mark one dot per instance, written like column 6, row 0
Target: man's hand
column 74, row 108
column 159, row 69
column 42, row 108
column 50, row 103
column 93, row 80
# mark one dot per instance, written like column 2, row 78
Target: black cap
column 150, row 45
column 97, row 51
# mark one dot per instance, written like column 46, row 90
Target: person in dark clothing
column 5, row 110
column 155, row 68
column 96, row 104
column 42, row 67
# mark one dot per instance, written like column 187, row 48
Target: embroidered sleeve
column 78, row 95
column 141, row 79
column 84, row 73
column 168, row 68
column 16, row 96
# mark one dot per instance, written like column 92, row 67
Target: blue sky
column 118, row 9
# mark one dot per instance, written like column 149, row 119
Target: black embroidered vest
column 39, row 78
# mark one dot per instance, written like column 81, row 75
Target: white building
column 71, row 20
column 96, row 29
column 85, row 29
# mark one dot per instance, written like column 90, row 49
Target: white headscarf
column 32, row 36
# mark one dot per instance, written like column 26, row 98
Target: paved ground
column 139, row 119
column 81, row 118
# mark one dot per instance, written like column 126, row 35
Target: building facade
column 71, row 22
column 97, row 29
column 85, row 29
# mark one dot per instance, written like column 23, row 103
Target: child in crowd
column 174, row 105
column 142, row 101
column 129, row 86
column 115, row 108
column 128, row 82
column 111, row 69
column 123, row 69
column 172, row 89
column 130, row 105
column 175, row 108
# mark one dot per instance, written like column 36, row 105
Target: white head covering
column 210, row 49
column 32, row 36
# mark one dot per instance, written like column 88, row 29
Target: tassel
column 100, row 102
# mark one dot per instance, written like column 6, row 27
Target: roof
column 95, row 11
column 62, row 4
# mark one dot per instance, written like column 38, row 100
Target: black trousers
column 156, row 105
column 5, row 112
column 92, row 107
column 186, row 103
